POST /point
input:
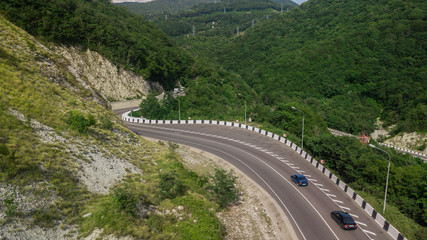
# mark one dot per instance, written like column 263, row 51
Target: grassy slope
column 35, row 82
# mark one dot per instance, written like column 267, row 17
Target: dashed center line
column 361, row 223
column 346, row 208
column 372, row 233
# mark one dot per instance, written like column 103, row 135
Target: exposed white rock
column 113, row 82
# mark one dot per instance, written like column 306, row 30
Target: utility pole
column 237, row 31
column 194, row 30
column 253, row 22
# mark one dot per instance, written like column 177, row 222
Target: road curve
column 270, row 163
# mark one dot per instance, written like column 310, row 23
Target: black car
column 344, row 220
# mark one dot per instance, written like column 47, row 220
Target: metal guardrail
column 379, row 219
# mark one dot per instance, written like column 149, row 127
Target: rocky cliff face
column 111, row 81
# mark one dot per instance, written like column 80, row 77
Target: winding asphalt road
column 270, row 164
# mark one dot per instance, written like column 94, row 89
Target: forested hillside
column 351, row 61
column 149, row 9
column 122, row 37
column 70, row 169
column 157, row 7
column 220, row 19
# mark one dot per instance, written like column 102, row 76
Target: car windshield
column 301, row 178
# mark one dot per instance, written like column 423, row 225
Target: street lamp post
column 388, row 173
column 302, row 134
column 131, row 110
column 245, row 106
column 179, row 110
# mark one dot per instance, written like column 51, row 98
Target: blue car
column 300, row 179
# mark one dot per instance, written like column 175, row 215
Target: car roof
column 299, row 175
column 344, row 214
column 340, row 212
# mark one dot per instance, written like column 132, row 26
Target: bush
column 126, row 200
column 78, row 122
column 223, row 187
column 170, row 185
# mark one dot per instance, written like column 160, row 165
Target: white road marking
column 330, row 195
column 366, row 231
column 338, row 201
column 277, row 195
column 346, row 208
column 324, row 189
column 353, row 215
column 361, row 223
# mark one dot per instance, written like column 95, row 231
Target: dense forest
column 215, row 20
column 350, row 75
column 161, row 6
column 351, row 61
column 154, row 8
column 126, row 39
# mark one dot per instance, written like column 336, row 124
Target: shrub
column 170, row 185
column 223, row 187
column 126, row 200
column 78, row 122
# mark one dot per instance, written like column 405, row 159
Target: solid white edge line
column 298, row 191
column 272, row 189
